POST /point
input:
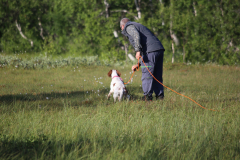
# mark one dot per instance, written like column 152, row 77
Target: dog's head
column 114, row 71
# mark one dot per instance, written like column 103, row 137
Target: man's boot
column 160, row 97
column 147, row 98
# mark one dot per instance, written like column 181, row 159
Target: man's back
column 148, row 40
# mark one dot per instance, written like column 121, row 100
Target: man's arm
column 132, row 31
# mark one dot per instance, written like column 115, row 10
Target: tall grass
column 62, row 113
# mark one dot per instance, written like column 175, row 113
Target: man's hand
column 134, row 67
column 137, row 55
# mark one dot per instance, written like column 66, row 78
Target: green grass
column 62, row 113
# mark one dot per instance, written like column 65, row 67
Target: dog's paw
column 128, row 97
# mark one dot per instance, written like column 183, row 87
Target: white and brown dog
column 117, row 87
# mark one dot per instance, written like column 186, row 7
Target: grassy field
column 62, row 113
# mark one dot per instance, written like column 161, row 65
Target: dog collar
column 117, row 76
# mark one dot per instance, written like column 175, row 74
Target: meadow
column 56, row 111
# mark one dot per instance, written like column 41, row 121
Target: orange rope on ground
column 168, row 87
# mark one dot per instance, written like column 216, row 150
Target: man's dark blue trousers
column 154, row 62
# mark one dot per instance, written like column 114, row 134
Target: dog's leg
column 115, row 95
column 126, row 95
column 109, row 94
column 120, row 96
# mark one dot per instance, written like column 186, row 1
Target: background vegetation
column 195, row 31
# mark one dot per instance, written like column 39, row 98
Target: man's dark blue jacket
column 148, row 40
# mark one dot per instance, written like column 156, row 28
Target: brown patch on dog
column 119, row 74
column 114, row 84
column 110, row 73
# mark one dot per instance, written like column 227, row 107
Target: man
column 151, row 49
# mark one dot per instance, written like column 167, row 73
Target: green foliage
column 50, row 47
column 47, row 61
column 208, row 31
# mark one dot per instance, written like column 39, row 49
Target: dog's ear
column 119, row 74
column 110, row 73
